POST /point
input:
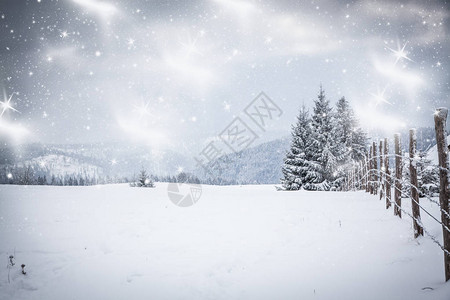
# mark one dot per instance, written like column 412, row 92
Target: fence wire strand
column 403, row 182
column 367, row 170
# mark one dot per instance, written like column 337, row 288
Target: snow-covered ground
column 237, row 242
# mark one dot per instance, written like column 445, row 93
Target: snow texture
column 441, row 113
column 237, row 242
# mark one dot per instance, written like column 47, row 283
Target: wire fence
column 402, row 181
column 372, row 174
column 366, row 175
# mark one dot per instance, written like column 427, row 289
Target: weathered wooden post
column 398, row 176
column 370, row 171
column 375, row 168
column 361, row 174
column 367, row 169
column 381, row 170
column 387, row 178
column 347, row 181
column 350, row 187
column 366, row 172
column 440, row 120
column 418, row 230
column 350, row 182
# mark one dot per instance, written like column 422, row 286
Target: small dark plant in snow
column 10, row 265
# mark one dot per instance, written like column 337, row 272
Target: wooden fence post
column 387, row 178
column 440, row 120
column 398, row 176
column 370, row 171
column 347, row 181
column 375, row 169
column 353, row 178
column 381, row 170
column 418, row 230
column 361, row 174
column 366, row 172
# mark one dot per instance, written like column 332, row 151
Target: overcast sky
column 176, row 73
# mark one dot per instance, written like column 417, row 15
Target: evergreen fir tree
column 344, row 129
column 350, row 141
column 322, row 146
column 348, row 134
column 143, row 180
column 296, row 164
column 343, row 139
column 427, row 176
column 359, row 142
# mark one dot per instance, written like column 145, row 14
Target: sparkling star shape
column 190, row 47
column 400, row 53
column 142, row 110
column 6, row 103
column 379, row 97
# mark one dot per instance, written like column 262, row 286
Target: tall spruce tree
column 350, row 140
column 348, row 132
column 344, row 128
column 296, row 163
column 323, row 161
column 359, row 142
column 343, row 137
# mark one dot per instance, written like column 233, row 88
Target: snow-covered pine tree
column 323, row 147
column 406, row 188
column 349, row 132
column 350, row 140
column 143, row 180
column 427, row 176
column 323, row 162
column 342, row 136
column 344, row 129
column 359, row 142
column 296, row 163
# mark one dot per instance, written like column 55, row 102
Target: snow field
column 237, row 242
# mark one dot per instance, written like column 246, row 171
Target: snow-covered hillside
column 113, row 159
column 54, row 164
column 258, row 164
column 432, row 153
column 237, row 242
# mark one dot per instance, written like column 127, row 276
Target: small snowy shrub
column 143, row 180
